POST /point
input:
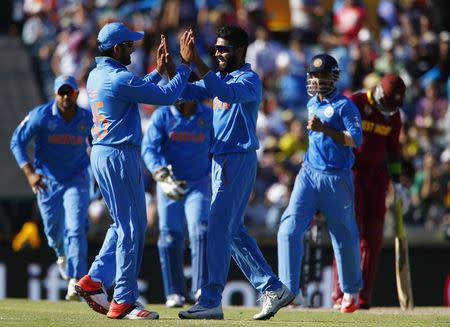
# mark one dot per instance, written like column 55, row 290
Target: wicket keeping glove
column 400, row 192
column 172, row 187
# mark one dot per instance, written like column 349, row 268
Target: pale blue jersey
column 338, row 112
column 236, row 98
column 114, row 94
column 60, row 147
column 181, row 141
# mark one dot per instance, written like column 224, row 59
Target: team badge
column 82, row 127
column 201, row 122
column 367, row 110
column 317, row 62
column 328, row 112
column 52, row 125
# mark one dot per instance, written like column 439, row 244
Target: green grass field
column 47, row 314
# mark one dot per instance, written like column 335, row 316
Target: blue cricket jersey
column 114, row 94
column 183, row 142
column 60, row 148
column 236, row 98
column 341, row 114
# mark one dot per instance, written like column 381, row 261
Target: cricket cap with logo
column 65, row 80
column 116, row 33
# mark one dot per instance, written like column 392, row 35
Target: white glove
column 172, row 187
column 400, row 192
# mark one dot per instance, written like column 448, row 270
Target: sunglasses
column 128, row 44
column 224, row 48
column 69, row 93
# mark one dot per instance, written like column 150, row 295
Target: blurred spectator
column 263, row 51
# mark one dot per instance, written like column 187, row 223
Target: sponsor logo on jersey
column 372, row 127
column 65, row 139
column 186, row 137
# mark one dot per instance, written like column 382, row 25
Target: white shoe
column 350, row 303
column 175, row 301
column 200, row 312
column 274, row 301
column 130, row 311
column 337, row 304
column 61, row 263
column 71, row 293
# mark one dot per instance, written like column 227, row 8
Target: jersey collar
column 328, row 98
column 102, row 61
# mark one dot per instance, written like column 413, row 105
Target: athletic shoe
column 363, row 305
column 61, row 263
column 71, row 293
column 337, row 304
column 175, row 301
column 94, row 294
column 274, row 301
column 349, row 303
column 200, row 312
column 297, row 302
column 130, row 311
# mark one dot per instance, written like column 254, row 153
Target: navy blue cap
column 65, row 80
column 116, row 33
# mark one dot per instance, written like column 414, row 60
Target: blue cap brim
column 135, row 36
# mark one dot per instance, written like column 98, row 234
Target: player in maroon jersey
column 377, row 160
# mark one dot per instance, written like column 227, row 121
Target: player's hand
column 161, row 57
column 36, row 182
column 315, row 124
column 173, row 188
column 400, row 192
column 170, row 66
column 187, row 46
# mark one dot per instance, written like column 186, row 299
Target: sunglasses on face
column 224, row 48
column 128, row 44
column 69, row 93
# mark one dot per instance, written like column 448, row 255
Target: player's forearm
column 201, row 67
column 28, row 169
column 340, row 137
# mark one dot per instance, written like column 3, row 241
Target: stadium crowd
column 402, row 37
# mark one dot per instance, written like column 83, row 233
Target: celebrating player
column 175, row 149
column 325, row 183
column 237, row 92
column 381, row 123
column 59, row 175
column 114, row 94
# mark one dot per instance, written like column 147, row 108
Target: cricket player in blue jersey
column 325, row 183
column 236, row 91
column 114, row 94
column 59, row 175
column 175, row 149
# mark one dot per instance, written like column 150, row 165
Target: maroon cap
column 393, row 89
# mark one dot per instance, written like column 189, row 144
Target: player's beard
column 125, row 57
column 227, row 65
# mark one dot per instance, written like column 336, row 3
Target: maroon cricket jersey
column 380, row 134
